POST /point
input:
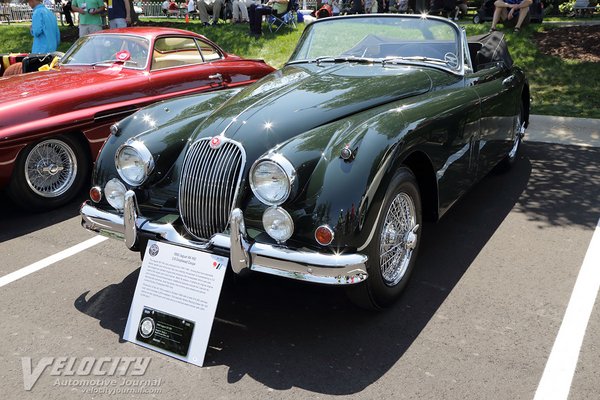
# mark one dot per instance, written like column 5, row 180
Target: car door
column 232, row 72
column 178, row 68
column 496, row 87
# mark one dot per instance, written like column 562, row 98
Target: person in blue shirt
column 44, row 28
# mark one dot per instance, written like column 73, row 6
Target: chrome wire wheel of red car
column 50, row 168
column 393, row 249
column 49, row 173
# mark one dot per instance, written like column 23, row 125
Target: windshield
column 106, row 49
column 388, row 39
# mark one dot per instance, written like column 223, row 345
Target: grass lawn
column 558, row 87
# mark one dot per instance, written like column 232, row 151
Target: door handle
column 508, row 81
column 216, row 76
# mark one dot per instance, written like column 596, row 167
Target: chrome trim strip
column 204, row 173
column 330, row 269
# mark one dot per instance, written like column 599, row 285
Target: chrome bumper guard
column 331, row 269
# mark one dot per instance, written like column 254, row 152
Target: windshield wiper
column 361, row 60
column 112, row 62
column 400, row 60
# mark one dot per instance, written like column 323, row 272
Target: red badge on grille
column 215, row 142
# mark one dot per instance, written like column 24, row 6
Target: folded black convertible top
column 493, row 48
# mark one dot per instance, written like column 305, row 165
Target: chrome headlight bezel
column 278, row 224
column 288, row 177
column 144, row 156
column 114, row 193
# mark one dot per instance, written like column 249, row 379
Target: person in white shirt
column 165, row 7
column 191, row 9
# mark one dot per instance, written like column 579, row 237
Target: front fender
column 164, row 128
column 344, row 194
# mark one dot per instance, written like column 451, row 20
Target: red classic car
column 53, row 123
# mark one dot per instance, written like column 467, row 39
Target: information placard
column 175, row 301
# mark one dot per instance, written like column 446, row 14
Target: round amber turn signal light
column 96, row 194
column 324, row 235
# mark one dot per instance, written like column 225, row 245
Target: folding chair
column 581, row 8
column 276, row 21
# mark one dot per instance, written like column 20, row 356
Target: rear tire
column 50, row 173
column 511, row 157
column 393, row 249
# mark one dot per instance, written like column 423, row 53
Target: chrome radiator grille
column 209, row 182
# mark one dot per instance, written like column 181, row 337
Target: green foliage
column 566, row 7
column 558, row 87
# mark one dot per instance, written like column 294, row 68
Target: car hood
column 40, row 95
column 298, row 98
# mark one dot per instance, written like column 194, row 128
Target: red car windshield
column 104, row 49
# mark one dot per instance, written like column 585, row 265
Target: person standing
column 66, row 9
column 119, row 14
column 44, row 28
column 90, row 15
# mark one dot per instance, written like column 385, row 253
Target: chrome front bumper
column 331, row 269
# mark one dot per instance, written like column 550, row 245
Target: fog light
column 278, row 224
column 96, row 194
column 114, row 190
column 324, row 235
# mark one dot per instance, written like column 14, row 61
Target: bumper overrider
column 331, row 269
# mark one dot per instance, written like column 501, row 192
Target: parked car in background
column 324, row 170
column 53, row 123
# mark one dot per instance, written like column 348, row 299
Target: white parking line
column 560, row 367
column 13, row 276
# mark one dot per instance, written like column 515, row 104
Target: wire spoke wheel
column 50, row 168
column 394, row 246
column 397, row 239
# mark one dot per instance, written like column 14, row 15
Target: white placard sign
column 175, row 300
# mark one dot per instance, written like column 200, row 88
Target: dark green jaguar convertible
column 321, row 171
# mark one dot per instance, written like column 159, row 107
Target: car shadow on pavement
column 286, row 334
column 564, row 187
column 16, row 222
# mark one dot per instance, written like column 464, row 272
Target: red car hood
column 41, row 95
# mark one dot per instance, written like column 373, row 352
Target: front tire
column 393, row 248
column 49, row 173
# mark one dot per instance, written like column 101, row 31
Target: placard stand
column 175, row 301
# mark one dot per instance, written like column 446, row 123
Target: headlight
column 278, row 224
column 134, row 162
column 114, row 191
column 272, row 179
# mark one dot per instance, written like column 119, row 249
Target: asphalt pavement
column 487, row 303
